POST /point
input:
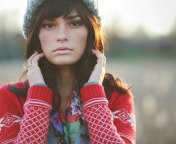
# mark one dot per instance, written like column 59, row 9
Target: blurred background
column 140, row 49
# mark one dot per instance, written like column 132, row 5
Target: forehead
column 53, row 14
column 55, row 8
column 73, row 12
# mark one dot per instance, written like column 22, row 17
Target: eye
column 75, row 24
column 49, row 26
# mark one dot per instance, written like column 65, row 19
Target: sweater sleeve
column 103, row 125
column 32, row 127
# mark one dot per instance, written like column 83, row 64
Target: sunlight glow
column 156, row 17
column 12, row 4
column 9, row 5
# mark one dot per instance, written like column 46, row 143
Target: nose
column 61, row 34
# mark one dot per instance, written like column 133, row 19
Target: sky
column 156, row 17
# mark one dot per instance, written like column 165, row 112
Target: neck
column 65, row 81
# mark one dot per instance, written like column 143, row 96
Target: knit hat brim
column 33, row 6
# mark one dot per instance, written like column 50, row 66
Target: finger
column 32, row 56
column 36, row 59
column 103, row 58
column 100, row 56
column 96, row 51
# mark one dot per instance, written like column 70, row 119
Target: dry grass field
column 154, row 94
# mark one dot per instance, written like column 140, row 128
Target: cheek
column 81, row 44
column 45, row 41
column 81, row 39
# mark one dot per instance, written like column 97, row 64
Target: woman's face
column 63, row 41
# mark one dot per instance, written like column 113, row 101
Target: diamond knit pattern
column 34, row 125
column 100, row 123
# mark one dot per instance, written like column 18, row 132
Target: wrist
column 91, row 82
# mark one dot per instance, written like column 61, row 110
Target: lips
column 62, row 51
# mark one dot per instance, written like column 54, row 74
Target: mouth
column 62, row 50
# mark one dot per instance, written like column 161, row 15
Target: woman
column 66, row 97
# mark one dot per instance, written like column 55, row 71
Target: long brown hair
column 52, row 9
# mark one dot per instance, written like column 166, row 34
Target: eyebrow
column 67, row 18
column 73, row 17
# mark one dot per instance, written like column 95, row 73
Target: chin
column 64, row 63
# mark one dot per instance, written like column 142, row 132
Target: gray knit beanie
column 33, row 6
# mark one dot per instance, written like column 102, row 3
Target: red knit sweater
column 26, row 121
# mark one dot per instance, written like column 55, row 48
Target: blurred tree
column 11, row 39
column 141, row 45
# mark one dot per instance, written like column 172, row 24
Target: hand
column 34, row 73
column 98, row 73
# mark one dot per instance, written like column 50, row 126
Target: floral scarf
column 66, row 129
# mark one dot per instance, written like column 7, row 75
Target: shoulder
column 10, row 104
column 5, row 87
column 119, row 100
column 4, row 90
column 8, row 97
